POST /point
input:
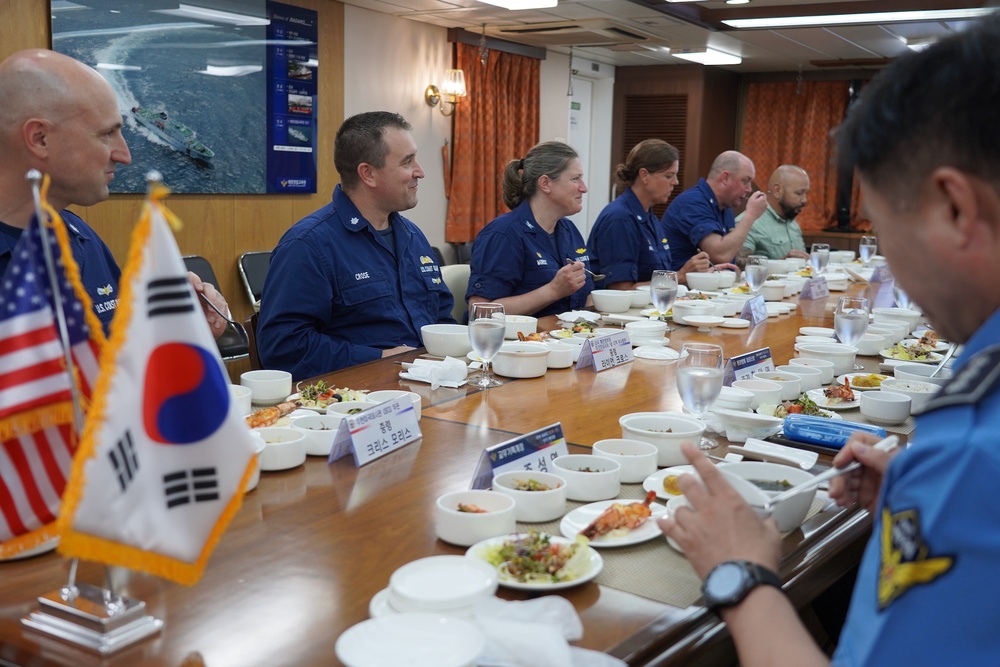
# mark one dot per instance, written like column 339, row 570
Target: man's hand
column 756, row 203
column 568, row 280
column 861, row 486
column 215, row 323
column 796, row 253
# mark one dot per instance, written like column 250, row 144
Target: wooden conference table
column 312, row 545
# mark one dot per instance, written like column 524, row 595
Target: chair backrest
column 437, row 255
column 250, row 324
column 231, row 344
column 253, row 270
column 456, row 277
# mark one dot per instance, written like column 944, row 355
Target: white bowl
column 791, row 385
column 750, row 493
column 922, row 373
column 636, row 458
column 788, row 514
column 652, row 427
column 521, row 360
column 841, row 355
column 885, row 407
column 773, row 290
column 726, row 279
column 640, row 298
column 911, row 317
column 764, row 391
column 810, row 378
column 818, row 340
column 519, row 323
column 269, row 387
column 742, row 425
column 446, row 340
column 533, row 506
column 893, row 330
column 561, row 355
column 284, row 448
column 576, row 346
column 647, row 331
column 612, row 300
column 797, row 263
column 259, row 445
column 391, row 394
column 824, row 366
column 242, row 399
column 841, row 256
column 348, row 408
column 870, row 344
column 588, row 477
column 707, row 282
column 467, row 528
column 734, row 398
column 918, row 391
column 442, row 584
column 685, row 308
column 319, row 430
column 779, row 266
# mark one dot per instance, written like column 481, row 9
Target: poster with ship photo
column 193, row 85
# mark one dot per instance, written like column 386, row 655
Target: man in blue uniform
column 354, row 281
column 923, row 139
column 701, row 218
column 61, row 117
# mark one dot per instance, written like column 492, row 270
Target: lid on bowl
column 441, row 583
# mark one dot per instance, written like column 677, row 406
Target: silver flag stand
column 85, row 615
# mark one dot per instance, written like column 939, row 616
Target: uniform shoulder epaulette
column 975, row 380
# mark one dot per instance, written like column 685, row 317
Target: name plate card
column 531, row 451
column 881, row 274
column 754, row 310
column 743, row 366
column 815, row 288
column 375, row 432
column 604, row 352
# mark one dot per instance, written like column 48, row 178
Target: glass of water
column 486, row 331
column 663, row 291
column 755, row 272
column 819, row 257
column 699, row 380
column 850, row 320
column 868, row 248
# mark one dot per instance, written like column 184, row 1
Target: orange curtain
column 496, row 123
column 792, row 123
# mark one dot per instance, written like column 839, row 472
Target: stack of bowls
column 647, row 332
column 448, row 585
column 734, row 398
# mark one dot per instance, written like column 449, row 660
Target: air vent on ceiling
column 591, row 32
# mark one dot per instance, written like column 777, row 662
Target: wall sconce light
column 452, row 88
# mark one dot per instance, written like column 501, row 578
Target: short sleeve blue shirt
column 99, row 273
column 627, row 243
column 337, row 293
column 692, row 216
column 925, row 591
column 513, row 255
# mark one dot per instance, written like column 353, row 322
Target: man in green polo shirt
column 775, row 233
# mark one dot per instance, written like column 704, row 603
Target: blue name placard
column 531, row 451
column 743, row 366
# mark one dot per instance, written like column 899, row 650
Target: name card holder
column 531, row 451
column 375, row 432
column 743, row 366
column 815, row 288
column 881, row 288
column 604, row 352
column 754, row 310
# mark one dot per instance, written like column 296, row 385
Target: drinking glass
column 819, row 257
column 850, row 320
column 486, row 331
column 755, row 272
column 868, row 248
column 900, row 298
column 663, row 291
column 699, row 380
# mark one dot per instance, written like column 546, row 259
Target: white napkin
column 534, row 632
column 450, row 372
column 575, row 315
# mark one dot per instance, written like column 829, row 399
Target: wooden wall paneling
column 719, row 113
column 24, row 24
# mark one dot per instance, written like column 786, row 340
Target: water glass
column 755, row 272
column 486, row 331
column 663, row 291
column 850, row 320
column 819, row 257
column 699, row 380
column 867, row 248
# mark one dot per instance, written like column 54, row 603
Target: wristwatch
column 730, row 581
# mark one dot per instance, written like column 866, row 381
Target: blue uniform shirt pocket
column 361, row 287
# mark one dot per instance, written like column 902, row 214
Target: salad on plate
column 536, row 558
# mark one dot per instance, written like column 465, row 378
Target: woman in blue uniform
column 532, row 259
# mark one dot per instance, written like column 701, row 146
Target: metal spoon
column 240, row 331
column 598, row 277
column 947, row 356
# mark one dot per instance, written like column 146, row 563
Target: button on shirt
column 99, row 273
column 513, row 255
column 692, row 216
column 773, row 236
column 337, row 292
column 628, row 243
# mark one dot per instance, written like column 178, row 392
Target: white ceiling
column 651, row 21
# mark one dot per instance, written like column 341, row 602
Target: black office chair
column 437, row 255
column 253, row 271
column 250, row 324
column 233, row 343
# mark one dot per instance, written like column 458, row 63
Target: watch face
column 725, row 582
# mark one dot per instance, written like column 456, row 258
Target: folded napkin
column 534, row 632
column 450, row 372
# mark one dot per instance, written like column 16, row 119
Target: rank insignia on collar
column 354, row 221
column 905, row 557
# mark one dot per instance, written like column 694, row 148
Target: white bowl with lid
column 445, row 584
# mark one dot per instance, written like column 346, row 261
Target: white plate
column 761, row 450
column 380, row 606
column 622, row 319
column 560, row 334
column 823, row 402
column 415, row 640
column 932, row 358
column 824, row 413
column 655, row 481
column 655, row 352
column 817, row 331
column 851, row 376
column 735, row 323
column 939, row 346
column 653, row 312
column 596, row 564
column 582, row 517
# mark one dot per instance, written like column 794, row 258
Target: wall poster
column 219, row 96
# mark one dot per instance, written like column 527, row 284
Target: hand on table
column 795, row 252
column 861, row 486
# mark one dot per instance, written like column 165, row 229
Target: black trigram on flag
column 169, row 296
column 124, row 460
column 191, row 486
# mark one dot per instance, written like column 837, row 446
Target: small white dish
column 818, row 331
column 851, row 377
column 822, row 401
column 581, row 517
column 735, row 323
column 655, row 353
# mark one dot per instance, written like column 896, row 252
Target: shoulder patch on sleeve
column 975, row 380
column 906, row 559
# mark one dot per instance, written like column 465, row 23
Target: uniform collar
column 7, row 242
column 527, row 219
column 634, row 205
column 351, row 218
column 709, row 193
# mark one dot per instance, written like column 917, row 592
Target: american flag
column 37, row 434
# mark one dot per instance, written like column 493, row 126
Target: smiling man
column 355, row 280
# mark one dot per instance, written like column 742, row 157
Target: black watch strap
column 749, row 576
